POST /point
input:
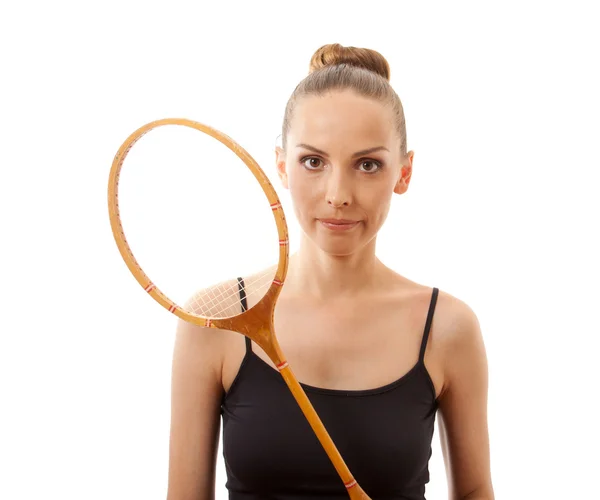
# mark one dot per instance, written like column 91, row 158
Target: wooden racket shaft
column 255, row 323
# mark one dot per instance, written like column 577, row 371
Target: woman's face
column 342, row 164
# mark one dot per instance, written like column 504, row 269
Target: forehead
column 342, row 117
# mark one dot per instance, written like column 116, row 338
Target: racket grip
column 354, row 490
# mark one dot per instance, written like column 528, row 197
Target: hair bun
column 334, row 53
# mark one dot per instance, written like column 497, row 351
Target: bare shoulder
column 223, row 300
column 220, row 300
column 459, row 328
column 453, row 318
column 463, row 399
column 455, row 338
column 458, row 319
column 199, row 351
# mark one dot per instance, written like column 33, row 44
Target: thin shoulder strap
column 434, row 296
column 244, row 303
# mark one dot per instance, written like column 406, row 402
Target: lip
column 339, row 224
column 338, row 221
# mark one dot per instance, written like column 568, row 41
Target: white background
column 502, row 109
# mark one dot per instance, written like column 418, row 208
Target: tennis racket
column 197, row 207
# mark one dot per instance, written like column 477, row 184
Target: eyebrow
column 358, row 153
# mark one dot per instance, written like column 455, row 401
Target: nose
column 339, row 189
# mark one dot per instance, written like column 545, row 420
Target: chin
column 338, row 244
column 339, row 248
column 338, row 252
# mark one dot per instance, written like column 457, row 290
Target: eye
column 370, row 166
column 312, row 163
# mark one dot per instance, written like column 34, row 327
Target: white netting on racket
column 196, row 220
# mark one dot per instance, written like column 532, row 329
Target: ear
column 405, row 174
column 281, row 166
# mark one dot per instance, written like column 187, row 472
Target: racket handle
column 354, row 490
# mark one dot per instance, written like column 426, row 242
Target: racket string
column 216, row 302
column 218, row 305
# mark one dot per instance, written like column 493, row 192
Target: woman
column 378, row 354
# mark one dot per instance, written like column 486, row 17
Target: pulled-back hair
column 365, row 71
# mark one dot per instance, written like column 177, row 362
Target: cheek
column 377, row 196
column 301, row 193
column 377, row 202
column 301, row 187
column 382, row 209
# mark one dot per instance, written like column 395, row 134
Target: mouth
column 339, row 224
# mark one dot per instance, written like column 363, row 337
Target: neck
column 317, row 274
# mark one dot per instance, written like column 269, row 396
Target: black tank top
column 383, row 434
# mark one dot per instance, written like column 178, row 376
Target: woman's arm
column 196, row 391
column 463, row 420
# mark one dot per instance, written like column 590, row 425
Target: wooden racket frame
column 255, row 323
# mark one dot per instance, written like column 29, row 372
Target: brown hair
column 365, row 71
